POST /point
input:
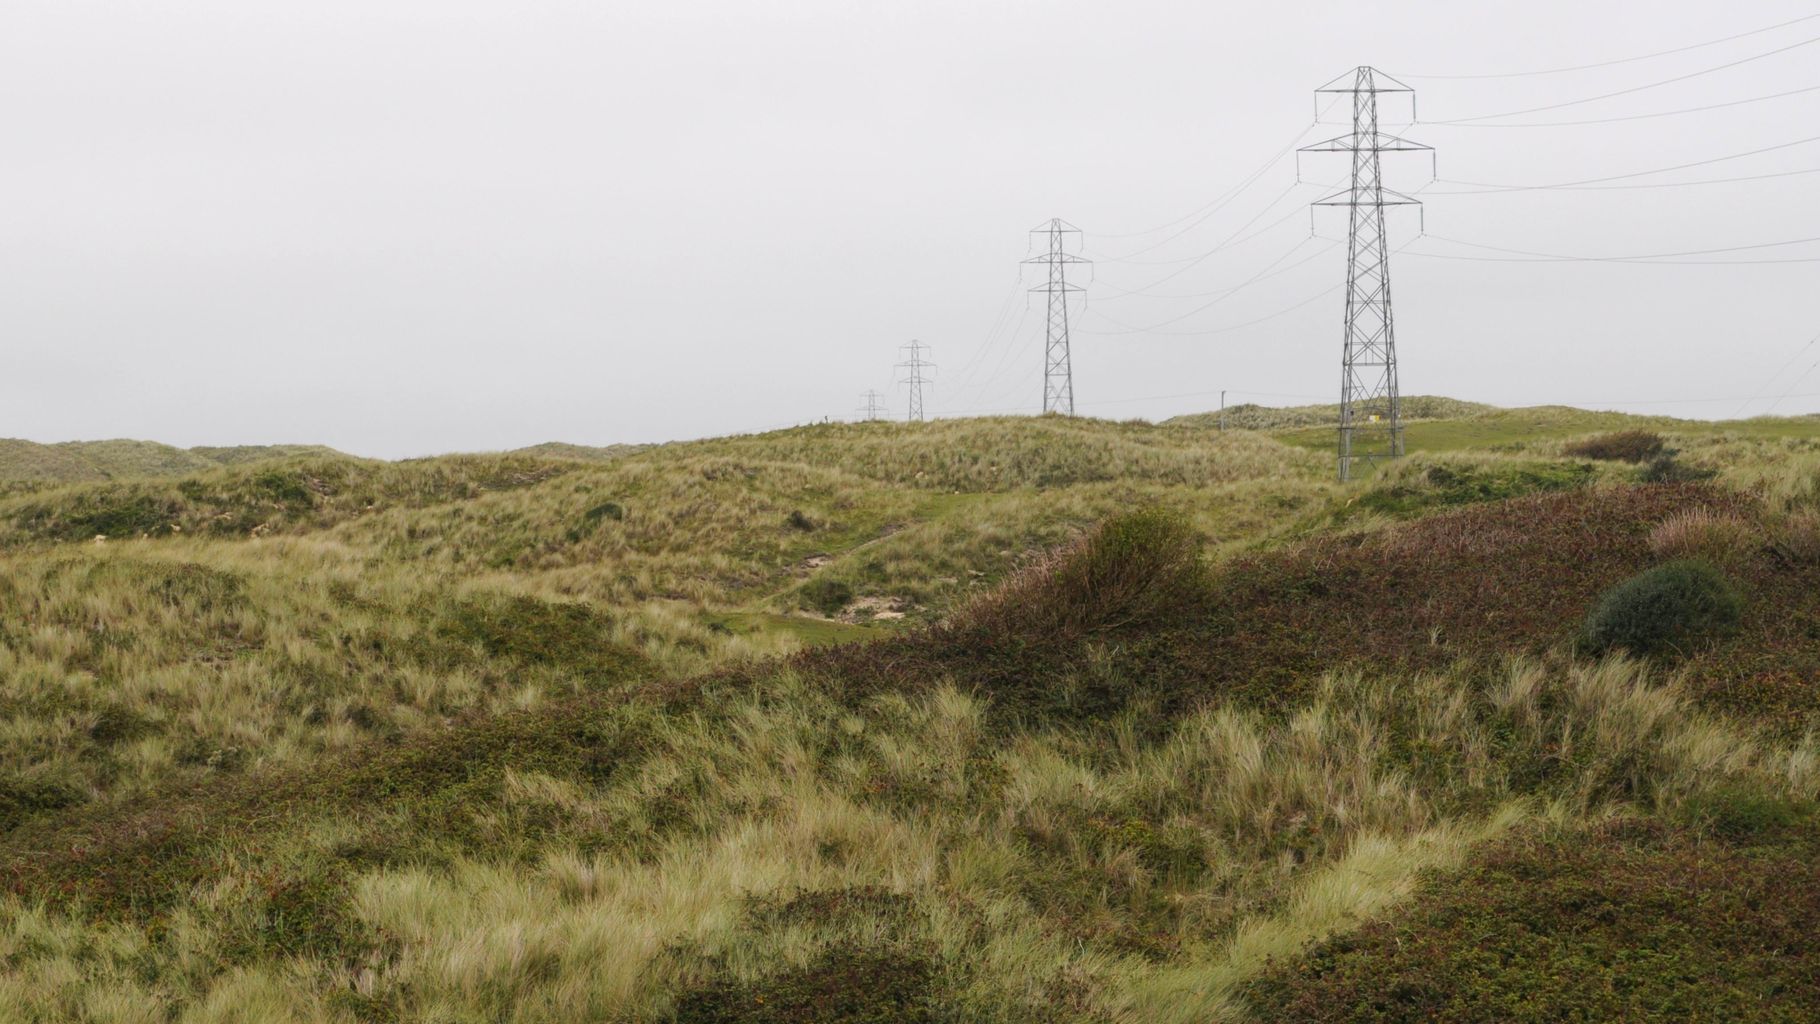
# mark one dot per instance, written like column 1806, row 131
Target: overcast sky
column 410, row 227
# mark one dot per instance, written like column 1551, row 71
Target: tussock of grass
column 1699, row 533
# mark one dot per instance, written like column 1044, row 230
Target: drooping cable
column 1620, row 60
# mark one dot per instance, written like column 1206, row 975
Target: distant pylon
column 913, row 368
column 873, row 407
column 1058, row 365
column 1371, row 424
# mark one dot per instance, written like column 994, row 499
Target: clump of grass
column 1704, row 534
column 1633, row 446
column 1669, row 607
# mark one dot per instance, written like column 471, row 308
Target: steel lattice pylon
column 914, row 379
column 1371, row 425
column 873, row 407
column 1058, row 364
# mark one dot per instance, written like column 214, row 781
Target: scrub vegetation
column 1015, row 720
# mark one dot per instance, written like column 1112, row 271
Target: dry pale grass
column 1705, row 534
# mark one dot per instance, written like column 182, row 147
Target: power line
column 1621, row 188
column 1621, row 60
column 1811, row 342
column 1129, row 329
column 1264, row 274
column 1232, row 243
column 1221, row 293
column 1221, row 201
column 1127, row 257
column 1488, row 186
column 1791, row 388
column 1634, row 89
column 979, row 354
column 1627, row 117
column 1010, row 348
column 1529, row 256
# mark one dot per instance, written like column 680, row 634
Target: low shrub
column 797, row 521
column 1632, row 446
column 1702, row 533
column 1665, row 608
column 827, row 596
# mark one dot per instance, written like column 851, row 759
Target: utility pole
column 872, row 408
column 913, row 368
column 1058, row 366
column 1222, row 412
column 1371, row 424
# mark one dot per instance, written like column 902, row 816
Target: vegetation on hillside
column 1172, row 728
column 28, row 463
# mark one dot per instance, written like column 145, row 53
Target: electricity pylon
column 1058, row 366
column 914, row 367
column 1371, row 424
column 873, row 407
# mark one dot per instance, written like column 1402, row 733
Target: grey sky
column 409, row 227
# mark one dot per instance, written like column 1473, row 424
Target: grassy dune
column 551, row 737
column 27, row 462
